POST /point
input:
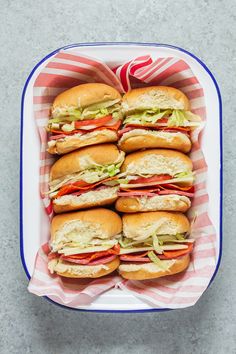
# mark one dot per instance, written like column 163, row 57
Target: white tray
column 33, row 219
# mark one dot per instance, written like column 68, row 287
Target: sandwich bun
column 72, row 143
column 83, row 159
column 151, row 270
column 85, row 95
column 167, row 223
column 84, row 271
column 93, row 198
column 147, row 140
column 162, row 97
column 182, row 162
column 159, row 202
column 107, row 220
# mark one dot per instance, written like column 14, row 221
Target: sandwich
column 155, row 179
column 85, row 178
column 84, row 115
column 154, row 245
column 157, row 117
column 84, row 244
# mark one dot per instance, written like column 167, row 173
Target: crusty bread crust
column 168, row 203
column 178, row 266
column 178, row 142
column 70, row 207
column 135, row 157
column 71, row 144
column 109, row 221
column 85, row 95
column 74, row 162
column 113, row 265
column 155, row 97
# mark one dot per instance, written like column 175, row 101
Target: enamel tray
column 33, row 220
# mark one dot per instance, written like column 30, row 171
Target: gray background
column 29, row 30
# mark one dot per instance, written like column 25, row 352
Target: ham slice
column 102, row 260
column 186, row 194
column 153, row 194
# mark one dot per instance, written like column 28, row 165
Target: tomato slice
column 176, row 254
column 111, row 127
column 95, row 255
column 162, row 120
column 70, row 188
column 158, row 178
column 80, row 186
column 174, row 186
column 97, row 122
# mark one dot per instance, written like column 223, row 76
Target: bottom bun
column 71, row 143
column 145, row 139
column 160, row 202
column 70, row 270
column 151, row 270
column 87, row 200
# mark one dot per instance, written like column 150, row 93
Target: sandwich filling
column 91, row 176
column 163, row 118
column 80, row 244
column 96, row 195
column 150, row 246
column 159, row 123
column 157, row 175
column 71, row 121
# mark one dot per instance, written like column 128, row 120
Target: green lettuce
column 147, row 116
column 183, row 174
column 156, row 244
column 90, row 112
column 176, row 117
column 153, row 257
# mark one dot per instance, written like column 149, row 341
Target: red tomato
column 176, row 254
column 94, row 255
column 158, row 178
column 98, row 122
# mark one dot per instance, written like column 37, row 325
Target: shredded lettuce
column 180, row 237
column 147, row 116
column 156, row 244
column 153, row 257
column 60, row 115
column 94, row 174
column 176, row 117
column 155, row 241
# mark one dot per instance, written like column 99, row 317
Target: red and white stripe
column 66, row 70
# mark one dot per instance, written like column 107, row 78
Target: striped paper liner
column 68, row 69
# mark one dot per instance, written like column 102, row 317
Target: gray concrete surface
column 29, row 30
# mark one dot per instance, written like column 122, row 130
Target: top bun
column 157, row 161
column 108, row 222
column 162, row 97
column 84, row 159
column 85, row 95
column 142, row 225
